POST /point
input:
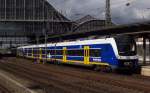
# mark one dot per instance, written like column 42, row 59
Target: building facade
column 21, row 20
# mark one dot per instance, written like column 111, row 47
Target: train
column 108, row 54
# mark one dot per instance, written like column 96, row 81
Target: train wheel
column 107, row 69
column 97, row 68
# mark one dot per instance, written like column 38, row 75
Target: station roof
column 132, row 29
column 85, row 19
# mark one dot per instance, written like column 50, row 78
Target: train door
column 64, row 54
column 40, row 53
column 32, row 53
column 86, row 54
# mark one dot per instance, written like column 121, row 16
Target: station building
column 23, row 20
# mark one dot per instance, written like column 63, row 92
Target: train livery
column 112, row 53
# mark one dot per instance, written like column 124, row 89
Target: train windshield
column 126, row 45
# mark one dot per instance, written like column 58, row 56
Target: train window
column 126, row 45
column 26, row 50
column 29, row 50
column 75, row 52
column 43, row 51
column 95, row 52
column 59, row 52
column 55, row 52
column 35, row 51
column 52, row 52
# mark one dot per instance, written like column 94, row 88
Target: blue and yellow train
column 110, row 53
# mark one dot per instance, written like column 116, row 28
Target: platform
column 145, row 71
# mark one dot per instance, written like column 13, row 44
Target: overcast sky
column 138, row 10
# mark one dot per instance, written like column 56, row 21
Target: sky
column 137, row 11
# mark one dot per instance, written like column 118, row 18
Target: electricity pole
column 108, row 13
column 46, row 24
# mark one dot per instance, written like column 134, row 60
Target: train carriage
column 109, row 52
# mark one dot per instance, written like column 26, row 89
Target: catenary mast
column 108, row 13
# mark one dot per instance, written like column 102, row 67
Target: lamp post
column 45, row 34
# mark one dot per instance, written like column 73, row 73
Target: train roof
column 78, row 42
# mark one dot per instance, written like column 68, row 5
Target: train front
column 127, row 51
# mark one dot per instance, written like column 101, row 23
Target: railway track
column 61, row 79
column 4, row 90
